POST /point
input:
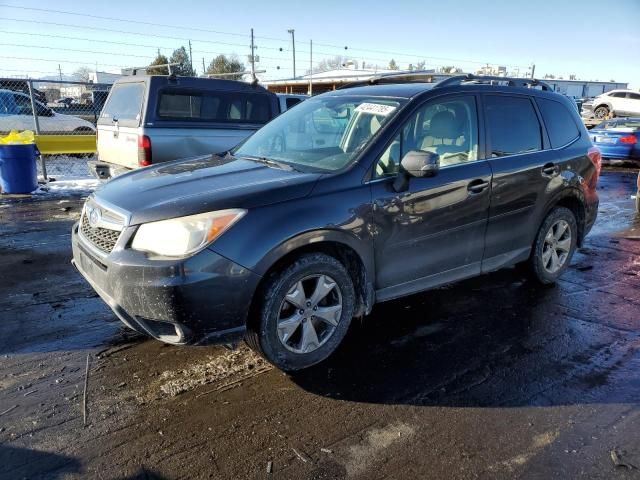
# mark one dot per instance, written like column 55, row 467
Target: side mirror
column 416, row 163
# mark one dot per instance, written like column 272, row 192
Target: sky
column 560, row 38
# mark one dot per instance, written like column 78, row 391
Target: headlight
column 180, row 237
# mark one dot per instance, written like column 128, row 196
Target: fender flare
column 364, row 251
column 572, row 192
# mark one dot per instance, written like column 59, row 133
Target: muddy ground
column 491, row 378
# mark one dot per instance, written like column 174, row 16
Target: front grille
column 101, row 238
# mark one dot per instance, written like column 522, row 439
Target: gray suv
column 354, row 197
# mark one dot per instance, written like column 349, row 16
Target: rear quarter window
column 513, row 125
column 560, row 123
column 124, row 103
column 226, row 107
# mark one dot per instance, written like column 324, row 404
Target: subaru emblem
column 95, row 214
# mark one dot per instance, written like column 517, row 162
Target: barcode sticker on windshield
column 375, row 108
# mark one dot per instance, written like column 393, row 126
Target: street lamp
column 293, row 41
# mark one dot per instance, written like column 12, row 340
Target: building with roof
column 330, row 80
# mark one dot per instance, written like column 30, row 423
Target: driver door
column 433, row 233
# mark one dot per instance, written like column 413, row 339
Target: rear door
column 119, row 124
column 522, row 172
column 633, row 103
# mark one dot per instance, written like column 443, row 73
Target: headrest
column 443, row 125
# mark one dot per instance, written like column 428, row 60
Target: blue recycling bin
column 18, row 171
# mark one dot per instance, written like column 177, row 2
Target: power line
column 152, row 24
column 75, row 62
column 345, row 48
column 76, row 50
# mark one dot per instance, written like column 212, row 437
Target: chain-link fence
column 62, row 114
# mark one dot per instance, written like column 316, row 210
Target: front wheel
column 304, row 312
column 554, row 246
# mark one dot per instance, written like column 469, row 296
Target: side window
column 513, row 125
column 619, row 94
column 560, row 124
column 214, row 106
column 633, row 96
column 448, row 127
column 290, row 102
column 23, row 104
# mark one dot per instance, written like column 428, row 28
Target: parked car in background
column 23, row 87
column 65, row 102
column 16, row 114
column 400, row 188
column 153, row 119
column 618, row 138
column 619, row 103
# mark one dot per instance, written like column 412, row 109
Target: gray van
column 152, row 119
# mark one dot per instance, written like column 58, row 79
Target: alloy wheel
column 309, row 313
column 557, row 245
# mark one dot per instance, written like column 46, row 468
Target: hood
column 202, row 184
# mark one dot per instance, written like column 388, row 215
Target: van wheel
column 304, row 312
column 554, row 246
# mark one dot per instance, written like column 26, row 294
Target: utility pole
column 533, row 70
column 60, row 72
column 253, row 58
column 191, row 58
column 293, row 41
column 311, row 67
column 204, row 70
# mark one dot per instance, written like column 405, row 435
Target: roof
column 195, row 82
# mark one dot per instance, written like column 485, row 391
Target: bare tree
column 83, row 74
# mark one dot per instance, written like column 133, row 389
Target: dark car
column 618, row 138
column 356, row 196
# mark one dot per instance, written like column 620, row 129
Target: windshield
column 633, row 123
column 325, row 133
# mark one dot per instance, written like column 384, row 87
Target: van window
column 234, row 107
column 291, row 101
column 124, row 103
column 561, row 127
column 513, row 125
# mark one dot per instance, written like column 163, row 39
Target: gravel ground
column 490, row 378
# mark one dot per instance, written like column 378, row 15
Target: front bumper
column 201, row 299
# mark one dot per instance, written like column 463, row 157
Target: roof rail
column 412, row 76
column 511, row 81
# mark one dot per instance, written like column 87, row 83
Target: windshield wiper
column 270, row 161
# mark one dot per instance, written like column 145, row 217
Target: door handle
column 550, row 169
column 477, row 186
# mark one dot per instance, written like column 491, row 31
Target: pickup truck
column 149, row 119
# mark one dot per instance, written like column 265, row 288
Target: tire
column 638, row 201
column 601, row 112
column 292, row 346
column 542, row 264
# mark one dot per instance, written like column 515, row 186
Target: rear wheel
column 304, row 312
column 601, row 112
column 554, row 246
